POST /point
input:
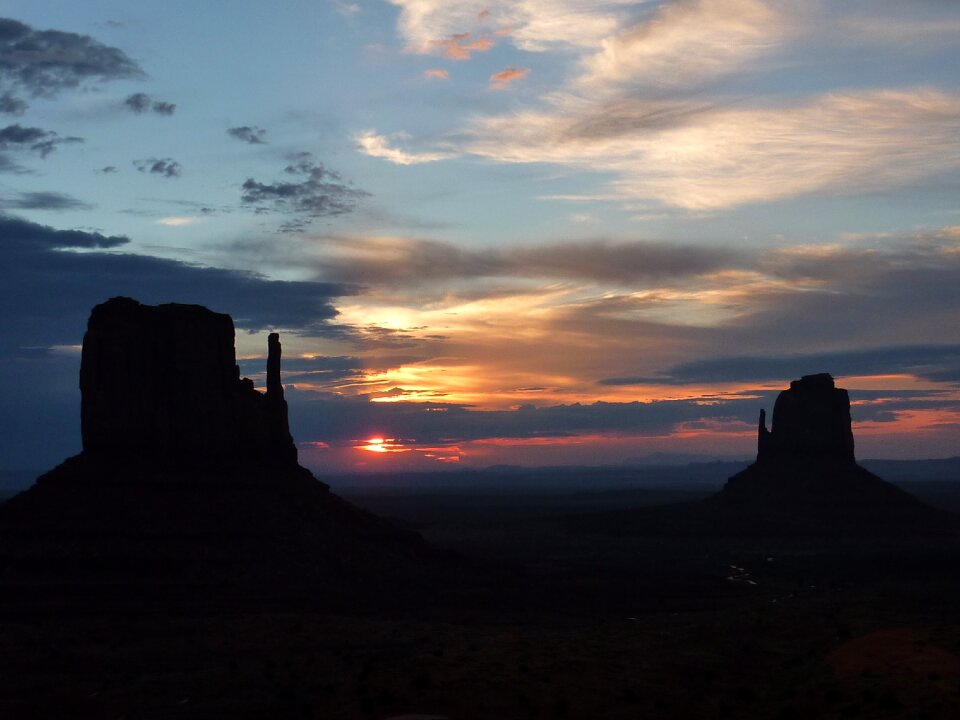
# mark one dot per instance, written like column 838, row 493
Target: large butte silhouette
column 188, row 487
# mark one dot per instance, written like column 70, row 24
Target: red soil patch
column 900, row 656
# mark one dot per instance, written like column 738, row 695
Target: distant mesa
column 188, row 487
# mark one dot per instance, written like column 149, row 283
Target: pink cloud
column 500, row 80
column 460, row 47
column 439, row 74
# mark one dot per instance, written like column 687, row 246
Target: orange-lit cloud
column 436, row 73
column 568, row 351
column 460, row 47
column 500, row 80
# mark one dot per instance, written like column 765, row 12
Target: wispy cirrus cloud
column 707, row 158
column 686, row 42
column 644, row 98
column 436, row 74
column 379, row 146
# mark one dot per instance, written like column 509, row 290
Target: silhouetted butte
column 805, row 483
column 188, row 486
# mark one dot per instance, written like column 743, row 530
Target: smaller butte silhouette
column 806, row 477
column 805, row 483
column 188, row 488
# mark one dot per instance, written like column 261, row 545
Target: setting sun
column 382, row 445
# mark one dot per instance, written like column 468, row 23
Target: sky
column 530, row 232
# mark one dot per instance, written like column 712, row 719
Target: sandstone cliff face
column 161, row 382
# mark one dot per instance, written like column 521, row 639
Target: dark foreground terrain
column 569, row 621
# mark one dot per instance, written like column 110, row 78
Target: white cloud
column 379, row 146
column 640, row 103
column 687, row 41
column 707, row 158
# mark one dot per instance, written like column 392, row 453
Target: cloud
column 940, row 363
column 632, row 312
column 320, row 193
column 687, row 41
column 11, row 105
column 344, row 420
column 531, row 25
column 167, row 167
column 708, row 158
column 803, row 310
column 31, row 236
column 178, row 220
column 18, row 137
column 9, row 166
column 108, row 170
column 397, row 260
column 649, row 97
column 164, row 108
column 436, row 74
column 459, row 46
column 48, row 297
column 140, row 103
column 43, row 201
column 500, row 80
column 378, row 146
column 248, row 134
column 43, row 63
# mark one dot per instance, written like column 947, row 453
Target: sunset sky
column 521, row 231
